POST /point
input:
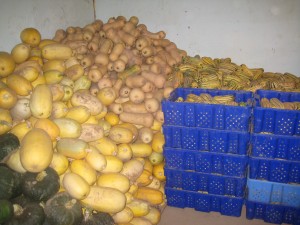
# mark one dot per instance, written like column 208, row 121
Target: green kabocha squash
column 8, row 143
column 31, row 213
column 96, row 218
column 10, row 182
column 62, row 209
column 6, row 210
column 40, row 186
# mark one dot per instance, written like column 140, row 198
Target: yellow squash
column 41, row 101
column 153, row 196
column 59, row 163
column 75, row 185
column 95, row 159
column 83, row 169
column 5, row 121
column 72, row 148
column 69, row 128
column 56, row 51
column 103, row 199
column 114, row 180
column 36, row 150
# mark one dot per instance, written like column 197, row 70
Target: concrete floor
column 187, row 216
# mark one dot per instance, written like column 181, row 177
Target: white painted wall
column 45, row 15
column 258, row 33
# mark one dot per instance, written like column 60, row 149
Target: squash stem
column 18, row 210
column 41, row 176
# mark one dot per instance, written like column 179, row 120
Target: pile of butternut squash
column 88, row 104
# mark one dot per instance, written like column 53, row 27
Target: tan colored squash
column 103, row 199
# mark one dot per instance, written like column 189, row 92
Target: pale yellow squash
column 132, row 169
column 19, row 84
column 13, row 161
column 113, row 164
column 41, row 101
column 124, row 216
column 105, row 146
column 75, row 185
column 107, row 200
column 140, row 149
column 83, row 169
column 36, row 150
column 21, row 129
column 49, row 126
column 114, row 180
column 59, row 163
column 69, row 128
column 153, row 196
column 79, row 113
column 139, row 207
column 121, row 135
column 72, row 148
column 5, row 121
column 56, row 51
column 95, row 159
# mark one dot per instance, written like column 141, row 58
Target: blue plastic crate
column 276, row 121
column 206, row 162
column 206, row 183
column 229, row 206
column 273, row 193
column 222, row 117
column 201, row 139
column 272, row 213
column 275, row 146
column 282, row 171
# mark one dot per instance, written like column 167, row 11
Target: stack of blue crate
column 206, row 151
column 274, row 164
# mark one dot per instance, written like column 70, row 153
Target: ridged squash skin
column 41, row 101
column 36, row 150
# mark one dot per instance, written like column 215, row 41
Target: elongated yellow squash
column 83, row 169
column 114, row 180
column 105, row 199
column 36, row 150
column 75, row 185
column 153, row 196
column 72, row 148
column 56, row 51
column 41, row 101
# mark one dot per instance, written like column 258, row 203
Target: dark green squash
column 31, row 213
column 41, row 186
column 8, row 143
column 10, row 182
column 6, row 210
column 62, row 209
column 96, row 218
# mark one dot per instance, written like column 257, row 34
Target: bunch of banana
column 209, row 73
column 208, row 99
column 277, row 104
